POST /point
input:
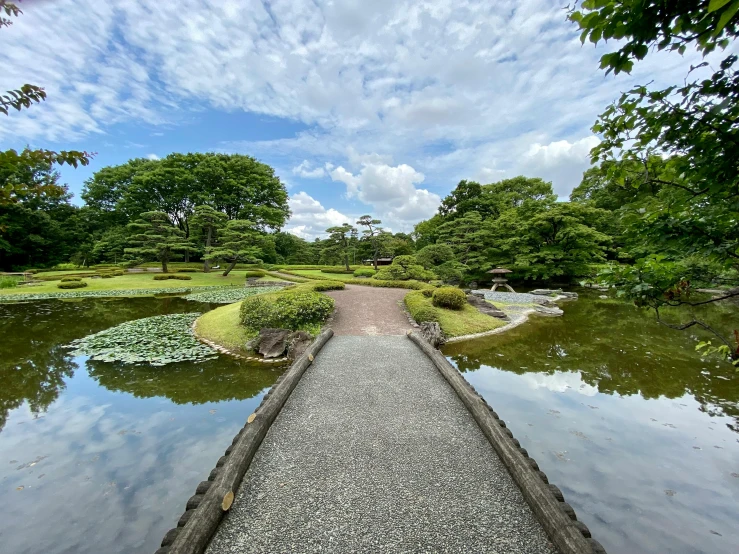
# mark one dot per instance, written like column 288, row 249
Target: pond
column 641, row 435
column 101, row 457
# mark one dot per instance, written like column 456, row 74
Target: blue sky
column 361, row 107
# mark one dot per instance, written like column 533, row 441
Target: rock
column 273, row 342
column 548, row 311
column 603, row 296
column 572, row 295
column 480, row 293
column 485, row 307
column 299, row 343
column 433, row 334
column 473, row 284
column 546, row 292
column 253, row 344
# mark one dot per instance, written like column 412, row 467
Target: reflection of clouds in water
column 117, row 474
column 560, row 381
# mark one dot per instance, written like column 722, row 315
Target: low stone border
column 547, row 502
column 213, row 498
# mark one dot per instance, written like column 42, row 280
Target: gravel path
column 369, row 311
column 374, row 452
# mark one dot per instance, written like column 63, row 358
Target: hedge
column 364, row 272
column 165, row 276
column 72, row 285
column 287, row 310
column 255, row 273
column 451, row 298
column 419, row 309
column 328, row 285
column 187, row 270
column 68, row 279
column 338, row 269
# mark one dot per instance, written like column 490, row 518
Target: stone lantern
column 499, row 279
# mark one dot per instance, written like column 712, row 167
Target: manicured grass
column 143, row 281
column 454, row 323
column 222, row 326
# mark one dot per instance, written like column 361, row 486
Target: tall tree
column 339, row 242
column 156, row 238
column 208, row 220
column 372, row 233
column 237, row 242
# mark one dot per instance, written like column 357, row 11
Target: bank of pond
column 640, row 434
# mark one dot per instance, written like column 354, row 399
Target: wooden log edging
column 213, row 498
column 546, row 500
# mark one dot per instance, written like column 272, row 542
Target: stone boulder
column 299, row 343
column 273, row 342
column 548, row 311
column 485, row 307
column 546, row 292
column 432, row 333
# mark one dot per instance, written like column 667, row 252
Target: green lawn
column 454, row 323
column 145, row 280
column 222, row 326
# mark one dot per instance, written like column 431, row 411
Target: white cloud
column 304, row 170
column 310, row 219
column 390, row 190
column 152, row 157
column 563, row 162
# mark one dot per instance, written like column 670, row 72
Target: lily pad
column 228, row 295
column 156, row 341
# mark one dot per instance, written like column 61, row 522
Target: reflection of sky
column 644, row 475
column 112, row 472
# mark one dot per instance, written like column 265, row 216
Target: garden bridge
column 373, row 442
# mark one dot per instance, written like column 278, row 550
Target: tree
column 156, row 238
column 692, row 125
column 208, row 220
column 434, row 255
column 237, row 242
column 469, row 237
column 12, row 164
column 372, row 233
column 339, row 242
column 111, row 246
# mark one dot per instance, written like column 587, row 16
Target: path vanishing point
column 375, row 451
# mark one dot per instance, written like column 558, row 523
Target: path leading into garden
column 374, row 452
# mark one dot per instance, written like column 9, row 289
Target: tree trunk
column 206, row 263
column 229, row 268
column 375, row 260
column 346, row 260
column 164, row 266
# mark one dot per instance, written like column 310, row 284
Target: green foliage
column 187, row 270
column 288, row 310
column 228, row 295
column 453, row 323
column 434, row 255
column 337, row 269
column 8, row 282
column 364, row 272
column 428, row 293
column 237, row 242
column 107, row 276
column 402, row 269
column 449, row 297
column 255, row 273
column 338, row 243
column 69, row 279
column 450, row 272
column 176, row 276
column 156, row 341
column 72, row 285
column 410, row 284
column 328, row 285
column 156, row 238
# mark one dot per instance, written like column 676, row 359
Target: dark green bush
column 187, row 270
column 425, row 313
column 449, row 297
column 450, row 272
column 68, row 279
column 165, row 276
column 402, row 269
column 364, row 272
column 289, row 310
column 410, row 284
column 329, row 285
column 428, row 293
column 107, row 276
column 255, row 273
column 72, row 285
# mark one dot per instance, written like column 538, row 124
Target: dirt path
column 369, row 311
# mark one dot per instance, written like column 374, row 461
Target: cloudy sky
column 362, row 107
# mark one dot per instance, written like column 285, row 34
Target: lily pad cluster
column 156, row 341
column 98, row 293
column 229, row 295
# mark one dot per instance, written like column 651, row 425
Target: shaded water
column 100, row 457
column 639, row 433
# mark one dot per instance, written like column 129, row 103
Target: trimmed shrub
column 449, row 297
column 337, row 269
column 425, row 314
column 187, row 270
column 107, row 276
column 255, row 273
column 402, row 269
column 68, row 279
column 364, row 272
column 329, row 285
column 165, row 276
column 419, row 308
column 291, row 310
column 72, row 285
column 428, row 293
column 410, row 284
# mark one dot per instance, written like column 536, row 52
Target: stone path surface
column 369, row 311
column 374, row 452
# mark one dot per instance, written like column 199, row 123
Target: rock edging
column 223, row 350
column 213, row 498
column 546, row 500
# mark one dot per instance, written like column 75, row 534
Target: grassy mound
column 223, row 326
column 454, row 323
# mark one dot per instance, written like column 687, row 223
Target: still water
column 639, row 433
column 100, row 457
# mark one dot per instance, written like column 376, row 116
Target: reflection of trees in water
column 616, row 348
column 186, row 383
column 33, row 364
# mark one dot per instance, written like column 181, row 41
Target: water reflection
column 621, row 414
column 102, row 457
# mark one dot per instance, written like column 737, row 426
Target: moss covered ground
column 454, row 323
